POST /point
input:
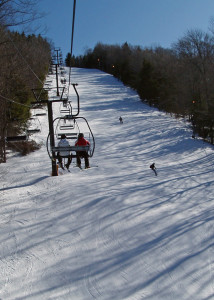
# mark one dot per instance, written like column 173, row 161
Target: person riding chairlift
column 81, row 141
column 64, row 143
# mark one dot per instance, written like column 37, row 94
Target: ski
column 60, row 166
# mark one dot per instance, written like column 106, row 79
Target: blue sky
column 138, row 22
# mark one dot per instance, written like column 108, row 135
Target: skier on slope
column 81, row 141
column 121, row 120
column 64, row 143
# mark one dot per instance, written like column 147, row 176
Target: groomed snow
column 116, row 231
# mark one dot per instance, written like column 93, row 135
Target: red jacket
column 82, row 142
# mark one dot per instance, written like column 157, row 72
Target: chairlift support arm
column 78, row 99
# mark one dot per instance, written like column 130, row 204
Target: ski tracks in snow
column 118, row 231
column 19, row 216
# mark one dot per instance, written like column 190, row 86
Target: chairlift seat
column 16, row 138
column 66, row 127
column 70, row 149
column 33, row 130
column 70, row 136
column 40, row 114
column 64, row 111
column 37, row 105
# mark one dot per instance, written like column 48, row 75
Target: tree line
column 178, row 80
column 24, row 64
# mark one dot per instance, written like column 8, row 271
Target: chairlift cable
column 10, row 100
column 72, row 39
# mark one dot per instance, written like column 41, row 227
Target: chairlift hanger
column 70, row 116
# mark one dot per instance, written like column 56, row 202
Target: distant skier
column 121, row 120
column 81, row 141
column 154, row 168
column 63, row 143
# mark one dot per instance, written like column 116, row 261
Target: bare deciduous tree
column 196, row 52
column 17, row 12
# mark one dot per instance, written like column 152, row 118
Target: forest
column 178, row 80
column 24, row 64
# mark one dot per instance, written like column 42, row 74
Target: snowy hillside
column 116, row 231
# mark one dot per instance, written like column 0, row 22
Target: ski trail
column 115, row 231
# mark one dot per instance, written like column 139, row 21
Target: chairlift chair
column 65, row 108
column 71, row 125
column 71, row 135
column 33, row 125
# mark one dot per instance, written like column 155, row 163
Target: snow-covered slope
column 116, row 231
